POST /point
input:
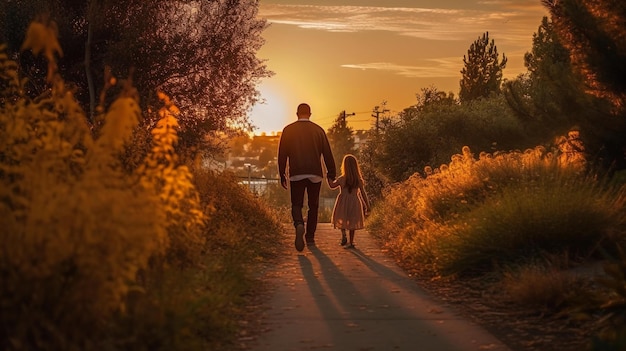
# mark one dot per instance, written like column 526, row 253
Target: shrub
column 98, row 254
column 174, row 186
column 75, row 229
column 242, row 221
column 504, row 207
column 526, row 221
column 430, row 136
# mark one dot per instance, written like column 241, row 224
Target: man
column 302, row 145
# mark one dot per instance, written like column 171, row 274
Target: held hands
column 331, row 182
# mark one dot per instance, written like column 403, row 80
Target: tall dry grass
column 475, row 214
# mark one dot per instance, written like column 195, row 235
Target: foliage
column 593, row 32
column 248, row 218
column 341, row 138
column 172, row 181
column 482, row 70
column 550, row 99
column 503, row 208
column 76, row 230
column 201, row 53
column 431, row 134
column 126, row 256
column 375, row 180
column 549, row 94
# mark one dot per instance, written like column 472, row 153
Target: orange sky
column 354, row 54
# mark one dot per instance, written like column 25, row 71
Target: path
column 331, row 298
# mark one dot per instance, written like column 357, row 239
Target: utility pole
column 344, row 115
column 376, row 114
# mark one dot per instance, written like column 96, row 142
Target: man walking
column 302, row 145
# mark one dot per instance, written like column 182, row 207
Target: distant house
column 360, row 138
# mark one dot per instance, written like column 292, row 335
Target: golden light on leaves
column 42, row 39
column 76, row 225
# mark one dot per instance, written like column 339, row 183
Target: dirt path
column 328, row 297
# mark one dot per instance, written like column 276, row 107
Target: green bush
column 525, row 221
column 430, row 136
column 504, row 207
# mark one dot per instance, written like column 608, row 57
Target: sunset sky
column 354, row 54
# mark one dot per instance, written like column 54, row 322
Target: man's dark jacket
column 303, row 143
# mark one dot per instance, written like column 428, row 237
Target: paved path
column 331, row 298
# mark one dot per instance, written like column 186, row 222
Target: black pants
column 298, row 188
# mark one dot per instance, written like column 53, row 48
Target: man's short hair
column 304, row 109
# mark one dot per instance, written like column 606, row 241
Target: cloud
column 508, row 18
column 532, row 5
column 432, row 68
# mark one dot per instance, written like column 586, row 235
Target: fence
column 259, row 186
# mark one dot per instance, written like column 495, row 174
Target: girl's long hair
column 350, row 169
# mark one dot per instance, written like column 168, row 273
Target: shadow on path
column 332, row 298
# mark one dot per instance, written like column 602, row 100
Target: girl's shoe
column 344, row 240
column 349, row 246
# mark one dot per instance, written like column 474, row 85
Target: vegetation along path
column 328, row 297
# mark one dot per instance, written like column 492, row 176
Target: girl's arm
column 333, row 183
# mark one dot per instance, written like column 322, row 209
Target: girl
column 352, row 203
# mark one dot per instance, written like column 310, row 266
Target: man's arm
column 282, row 161
column 329, row 160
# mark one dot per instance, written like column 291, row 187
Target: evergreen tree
column 549, row 96
column 482, row 71
column 593, row 32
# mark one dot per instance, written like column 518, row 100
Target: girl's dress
column 348, row 211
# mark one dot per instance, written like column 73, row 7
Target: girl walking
column 352, row 203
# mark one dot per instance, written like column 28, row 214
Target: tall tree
column 482, row 71
column 201, row 53
column 341, row 138
column 594, row 33
column 550, row 94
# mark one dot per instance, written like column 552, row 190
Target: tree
column 593, row 33
column 431, row 136
column 201, row 53
column 548, row 97
column 482, row 71
column 341, row 138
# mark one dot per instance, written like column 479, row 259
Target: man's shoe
column 310, row 243
column 300, row 237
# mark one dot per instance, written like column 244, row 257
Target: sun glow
column 272, row 113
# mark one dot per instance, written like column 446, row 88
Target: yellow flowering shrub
column 103, row 248
column 75, row 229
column 173, row 184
